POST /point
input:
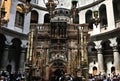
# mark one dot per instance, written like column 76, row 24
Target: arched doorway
column 112, row 69
column 15, row 53
column 2, row 46
column 56, row 74
column 57, row 70
column 9, row 68
column 94, row 70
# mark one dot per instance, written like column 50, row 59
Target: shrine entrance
column 57, row 70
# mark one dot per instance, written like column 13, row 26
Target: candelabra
column 74, row 9
column 27, row 7
column 51, row 5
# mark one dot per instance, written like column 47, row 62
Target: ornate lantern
column 96, row 19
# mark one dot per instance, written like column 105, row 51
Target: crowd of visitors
column 16, row 76
column 110, row 77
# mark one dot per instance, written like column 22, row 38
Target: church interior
column 59, row 40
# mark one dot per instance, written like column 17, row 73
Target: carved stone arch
column 88, row 18
column 103, row 16
column 34, row 16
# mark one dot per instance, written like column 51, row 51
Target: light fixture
column 27, row 7
column 95, row 19
column 51, row 5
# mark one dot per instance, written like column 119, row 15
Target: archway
column 88, row 17
column 2, row 45
column 34, row 16
column 14, row 53
column 47, row 18
column 94, row 70
column 112, row 69
column 9, row 68
column 103, row 16
column 57, row 70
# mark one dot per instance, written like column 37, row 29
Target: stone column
column 5, row 58
column 116, row 54
column 100, row 57
column 69, row 61
column 47, row 66
column 22, row 60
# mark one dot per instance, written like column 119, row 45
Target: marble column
column 22, row 60
column 31, row 46
column 116, row 59
column 69, row 61
column 5, row 58
column 100, row 60
column 116, row 54
column 47, row 66
column 100, row 56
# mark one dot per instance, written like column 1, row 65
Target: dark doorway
column 112, row 69
column 94, row 70
column 9, row 68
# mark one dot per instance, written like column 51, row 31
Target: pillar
column 22, row 60
column 69, row 62
column 100, row 56
column 5, row 58
column 116, row 59
column 100, row 60
column 116, row 54
column 31, row 46
column 47, row 66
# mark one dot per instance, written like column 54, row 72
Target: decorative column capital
column 113, row 42
column 98, row 46
column 98, row 43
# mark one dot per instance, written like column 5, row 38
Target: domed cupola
column 61, row 14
